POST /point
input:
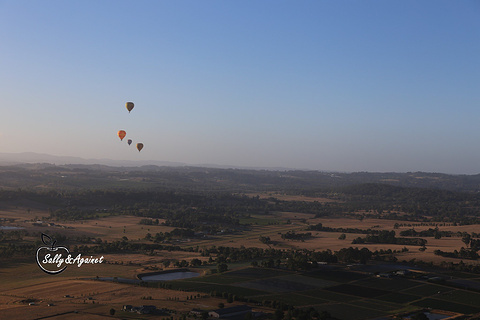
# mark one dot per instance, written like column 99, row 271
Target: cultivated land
column 152, row 231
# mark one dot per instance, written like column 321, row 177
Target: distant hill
column 32, row 157
column 31, row 170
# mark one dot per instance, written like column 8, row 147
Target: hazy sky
column 327, row 85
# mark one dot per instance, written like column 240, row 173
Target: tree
column 278, row 315
column 342, row 236
column 222, row 267
column 112, row 312
column 466, row 239
column 265, row 240
column 195, row 262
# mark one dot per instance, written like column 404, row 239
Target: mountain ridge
column 33, row 157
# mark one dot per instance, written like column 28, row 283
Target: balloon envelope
column 129, row 106
column 121, row 134
column 129, row 141
column 139, row 146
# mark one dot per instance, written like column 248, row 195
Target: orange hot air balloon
column 129, row 106
column 121, row 134
column 129, row 141
column 139, row 146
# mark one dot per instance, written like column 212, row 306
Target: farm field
column 357, row 296
column 77, row 298
column 114, row 228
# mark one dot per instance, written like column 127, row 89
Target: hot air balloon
column 139, row 146
column 121, row 134
column 129, row 106
column 129, row 141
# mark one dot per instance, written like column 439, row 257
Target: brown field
column 113, row 228
column 92, row 299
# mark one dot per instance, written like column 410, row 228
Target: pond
column 176, row 275
column 10, row 228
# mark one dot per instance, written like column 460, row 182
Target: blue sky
column 325, row 85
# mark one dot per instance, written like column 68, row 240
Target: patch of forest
column 387, row 200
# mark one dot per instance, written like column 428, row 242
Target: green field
column 446, row 305
column 219, row 279
column 329, row 295
column 364, row 292
column 345, row 294
column 336, row 275
column 258, row 273
column 351, row 312
column 394, row 284
column 424, row 290
column 398, row 297
column 294, row 299
column 461, row 296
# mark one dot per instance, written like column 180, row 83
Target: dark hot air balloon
column 129, row 106
column 139, row 146
column 129, row 141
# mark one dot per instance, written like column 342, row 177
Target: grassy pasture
column 359, row 291
column 463, row 275
column 293, row 299
column 346, row 311
column 329, row 295
column 308, row 281
column 275, row 285
column 258, row 273
column 394, row 284
column 446, row 305
column 218, row 279
column 235, row 290
column 424, row 290
column 188, row 285
column 398, row 297
column 461, row 296
column 377, row 305
column 335, row 275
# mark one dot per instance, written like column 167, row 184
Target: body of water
column 10, row 228
column 170, row 276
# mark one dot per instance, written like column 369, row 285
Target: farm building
column 140, row 309
column 230, row 312
column 197, row 312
